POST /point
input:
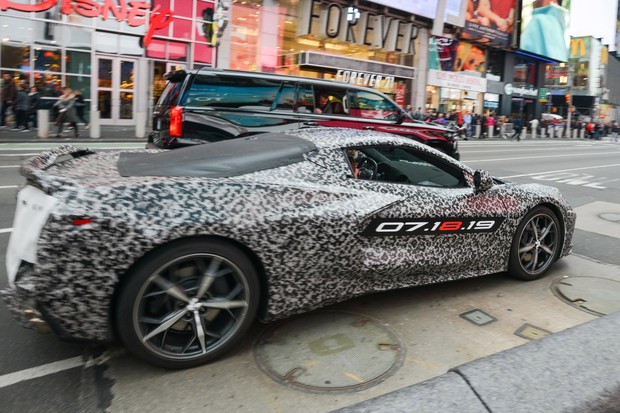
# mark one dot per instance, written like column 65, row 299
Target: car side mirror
column 483, row 181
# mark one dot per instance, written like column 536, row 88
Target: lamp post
column 569, row 99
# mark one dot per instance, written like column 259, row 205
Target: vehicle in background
column 209, row 105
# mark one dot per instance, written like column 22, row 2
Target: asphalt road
column 40, row 373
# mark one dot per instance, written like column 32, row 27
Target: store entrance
column 116, row 90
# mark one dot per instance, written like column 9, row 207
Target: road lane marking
column 10, row 166
column 40, row 371
column 562, row 170
column 581, row 154
column 5, row 230
column 9, row 186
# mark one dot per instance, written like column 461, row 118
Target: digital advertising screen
column 490, row 21
column 544, row 29
column 426, row 8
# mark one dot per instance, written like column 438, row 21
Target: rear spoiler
column 53, row 157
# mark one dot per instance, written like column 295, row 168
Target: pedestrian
column 20, row 108
column 80, row 105
column 490, row 125
column 418, row 114
column 467, row 119
column 615, row 129
column 482, row 121
column 9, row 92
column 440, row 119
column 34, row 98
column 66, row 113
column 517, row 125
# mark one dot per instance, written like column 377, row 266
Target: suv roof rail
column 175, row 75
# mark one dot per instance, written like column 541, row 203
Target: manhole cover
column 610, row 216
column 329, row 351
column 598, row 296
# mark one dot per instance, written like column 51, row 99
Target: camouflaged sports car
column 178, row 252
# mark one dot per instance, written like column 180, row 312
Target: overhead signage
column 544, row 29
column 491, row 25
column 426, row 8
column 510, row 89
column 456, row 81
column 365, row 79
column 332, row 21
column 133, row 12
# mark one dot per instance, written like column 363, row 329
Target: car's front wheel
column 187, row 303
column 536, row 244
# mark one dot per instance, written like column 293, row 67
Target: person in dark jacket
column 34, row 98
column 80, row 105
column 66, row 112
column 9, row 92
column 517, row 125
column 20, row 107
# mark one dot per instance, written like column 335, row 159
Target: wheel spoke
column 547, row 249
column 527, row 248
column 170, row 288
column 166, row 323
column 548, row 229
column 200, row 332
column 208, row 276
column 224, row 304
column 535, row 259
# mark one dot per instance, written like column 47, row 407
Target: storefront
column 117, row 51
column 453, row 92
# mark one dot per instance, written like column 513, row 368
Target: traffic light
column 568, row 99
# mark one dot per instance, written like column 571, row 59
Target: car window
column 170, row 97
column 285, row 99
column 400, row 164
column 232, row 92
column 363, row 104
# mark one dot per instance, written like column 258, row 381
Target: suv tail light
column 176, row 121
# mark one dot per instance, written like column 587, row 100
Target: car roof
column 209, row 71
column 219, row 159
column 234, row 157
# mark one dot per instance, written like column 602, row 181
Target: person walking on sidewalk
column 66, row 113
column 33, row 105
column 9, row 92
column 80, row 105
column 517, row 125
column 20, row 107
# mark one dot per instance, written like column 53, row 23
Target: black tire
column 536, row 244
column 170, row 315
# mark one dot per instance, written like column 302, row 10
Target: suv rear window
column 170, row 97
column 232, row 92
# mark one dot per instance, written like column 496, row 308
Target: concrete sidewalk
column 109, row 133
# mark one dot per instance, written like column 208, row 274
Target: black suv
column 209, row 105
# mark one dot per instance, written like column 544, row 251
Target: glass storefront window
column 157, row 49
column 177, row 51
column 203, row 53
column 78, row 37
column 524, row 73
column 47, row 59
column 183, row 8
column 15, row 56
column 79, row 83
column 48, row 84
column 182, row 29
column 77, row 62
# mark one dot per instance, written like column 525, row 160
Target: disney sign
column 133, row 12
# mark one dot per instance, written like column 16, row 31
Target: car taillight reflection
column 176, row 121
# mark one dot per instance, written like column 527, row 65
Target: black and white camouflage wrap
column 301, row 222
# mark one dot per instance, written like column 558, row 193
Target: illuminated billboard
column 426, row 8
column 490, row 22
column 455, row 56
column 544, row 29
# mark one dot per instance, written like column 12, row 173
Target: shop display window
column 203, row 53
column 47, row 59
column 182, row 29
column 81, row 83
column 77, row 62
column 15, row 56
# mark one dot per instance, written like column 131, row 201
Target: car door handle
column 311, row 124
column 368, row 127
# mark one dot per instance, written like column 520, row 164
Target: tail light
column 176, row 121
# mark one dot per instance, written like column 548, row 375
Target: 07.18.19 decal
column 431, row 226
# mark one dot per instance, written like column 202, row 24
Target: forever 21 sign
column 329, row 21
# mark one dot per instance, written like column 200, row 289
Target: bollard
column 140, row 124
column 477, row 131
column 551, row 132
column 95, row 127
column 490, row 131
column 43, row 123
column 582, row 133
column 523, row 133
column 533, row 133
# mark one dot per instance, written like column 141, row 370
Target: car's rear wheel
column 187, row 303
column 536, row 244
